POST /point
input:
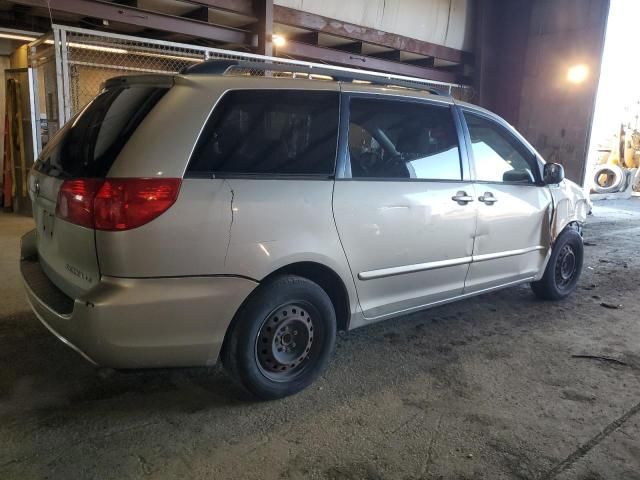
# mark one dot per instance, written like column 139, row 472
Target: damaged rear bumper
column 138, row 323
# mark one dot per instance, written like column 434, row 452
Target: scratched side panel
column 188, row 239
column 571, row 205
column 280, row 222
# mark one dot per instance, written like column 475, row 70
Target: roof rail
column 222, row 67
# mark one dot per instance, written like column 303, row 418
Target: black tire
column 563, row 270
column 281, row 338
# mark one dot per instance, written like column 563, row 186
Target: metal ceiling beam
column 312, row 52
column 311, row 21
column 318, row 23
column 388, row 55
column 243, row 7
column 307, row 37
column 352, row 47
column 199, row 13
column 144, row 18
column 421, row 62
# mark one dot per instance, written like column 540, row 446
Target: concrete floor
column 485, row 388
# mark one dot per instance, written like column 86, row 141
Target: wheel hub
column 565, row 266
column 285, row 339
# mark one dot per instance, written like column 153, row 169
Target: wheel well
column 577, row 226
column 573, row 225
column 330, row 282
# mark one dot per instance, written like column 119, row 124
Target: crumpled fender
column 571, row 206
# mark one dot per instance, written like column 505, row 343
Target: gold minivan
column 185, row 219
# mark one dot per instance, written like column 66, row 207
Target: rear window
column 272, row 132
column 89, row 143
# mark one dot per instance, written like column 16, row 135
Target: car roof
column 248, row 81
column 256, row 82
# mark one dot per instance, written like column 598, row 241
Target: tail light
column 75, row 200
column 116, row 203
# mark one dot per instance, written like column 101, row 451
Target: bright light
column 316, row 76
column 577, row 73
column 12, row 36
column 88, row 46
column 278, row 40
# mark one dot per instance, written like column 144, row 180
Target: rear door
column 403, row 203
column 514, row 206
column 84, row 149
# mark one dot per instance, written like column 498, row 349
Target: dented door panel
column 570, row 205
column 408, row 243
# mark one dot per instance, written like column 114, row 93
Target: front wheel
column 282, row 337
column 563, row 270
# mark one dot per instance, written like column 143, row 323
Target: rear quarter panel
column 280, row 222
column 189, row 239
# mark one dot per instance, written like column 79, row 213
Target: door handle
column 488, row 198
column 462, row 198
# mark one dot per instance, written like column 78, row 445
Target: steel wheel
column 281, row 338
column 285, row 341
column 563, row 269
column 565, row 266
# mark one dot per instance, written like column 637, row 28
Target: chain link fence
column 93, row 58
column 42, row 60
column 73, row 63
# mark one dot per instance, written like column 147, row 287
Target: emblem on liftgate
column 36, row 187
column 78, row 273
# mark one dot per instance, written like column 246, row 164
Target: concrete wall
column 525, row 48
column 444, row 22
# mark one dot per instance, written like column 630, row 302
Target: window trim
column 502, row 124
column 191, row 175
column 343, row 171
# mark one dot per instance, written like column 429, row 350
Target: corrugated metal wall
column 444, row 22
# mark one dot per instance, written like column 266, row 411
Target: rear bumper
column 137, row 323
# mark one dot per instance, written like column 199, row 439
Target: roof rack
column 222, row 67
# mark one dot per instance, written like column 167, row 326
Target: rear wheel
column 282, row 337
column 563, row 270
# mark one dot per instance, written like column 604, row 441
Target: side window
column 270, row 132
column 395, row 139
column 497, row 155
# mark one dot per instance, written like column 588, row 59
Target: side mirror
column 553, row 173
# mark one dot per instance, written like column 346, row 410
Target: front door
column 514, row 207
column 404, row 212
